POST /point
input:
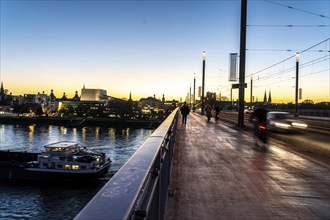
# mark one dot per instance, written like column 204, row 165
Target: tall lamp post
column 297, row 76
column 203, row 83
column 190, row 96
column 240, row 123
column 194, row 92
column 251, row 92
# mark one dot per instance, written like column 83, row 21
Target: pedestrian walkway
column 218, row 174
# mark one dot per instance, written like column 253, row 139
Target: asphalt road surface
column 313, row 142
column 218, row 173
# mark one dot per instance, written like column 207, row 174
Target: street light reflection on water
column 63, row 130
column 56, row 201
column 31, row 131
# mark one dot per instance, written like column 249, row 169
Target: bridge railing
column 139, row 190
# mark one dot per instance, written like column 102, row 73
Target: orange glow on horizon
column 136, row 97
column 122, row 90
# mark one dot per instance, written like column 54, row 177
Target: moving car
column 284, row 122
column 248, row 111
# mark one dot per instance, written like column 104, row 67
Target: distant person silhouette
column 260, row 114
column 208, row 110
column 184, row 112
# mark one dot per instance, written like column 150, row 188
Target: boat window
column 59, row 166
column 70, row 158
column 83, row 167
column 67, row 166
column 75, row 167
column 45, row 164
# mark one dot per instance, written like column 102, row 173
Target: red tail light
column 262, row 127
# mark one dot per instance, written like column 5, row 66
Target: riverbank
column 80, row 122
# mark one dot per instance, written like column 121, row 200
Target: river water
column 61, row 201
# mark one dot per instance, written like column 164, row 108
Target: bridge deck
column 218, row 174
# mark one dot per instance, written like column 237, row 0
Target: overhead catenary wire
column 281, row 72
column 309, row 49
column 287, row 50
column 278, row 73
column 304, row 65
column 286, row 59
column 286, row 25
column 292, row 78
column 321, row 71
column 289, row 78
column 298, row 9
column 217, row 68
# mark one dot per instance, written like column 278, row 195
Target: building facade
column 97, row 95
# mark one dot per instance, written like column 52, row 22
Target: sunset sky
column 155, row 47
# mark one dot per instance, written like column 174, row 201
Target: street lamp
column 297, row 75
column 251, row 92
column 190, row 96
column 194, row 92
column 203, row 83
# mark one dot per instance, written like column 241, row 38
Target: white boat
column 60, row 161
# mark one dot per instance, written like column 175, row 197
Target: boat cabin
column 67, row 155
column 63, row 148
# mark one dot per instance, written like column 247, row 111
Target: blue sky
column 155, row 47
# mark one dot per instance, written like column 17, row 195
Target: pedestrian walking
column 208, row 110
column 184, row 112
column 217, row 113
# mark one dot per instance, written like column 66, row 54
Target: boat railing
column 139, row 190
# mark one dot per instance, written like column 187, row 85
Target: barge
column 60, row 161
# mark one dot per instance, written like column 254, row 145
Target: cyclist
column 260, row 114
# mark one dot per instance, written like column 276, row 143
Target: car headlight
column 299, row 125
column 282, row 125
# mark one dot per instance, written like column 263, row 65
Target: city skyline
column 155, row 47
column 78, row 93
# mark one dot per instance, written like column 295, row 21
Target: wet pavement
column 218, row 173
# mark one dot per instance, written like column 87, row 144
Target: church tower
column 52, row 96
column 76, row 97
column 265, row 98
column 2, row 94
column 269, row 98
column 2, row 90
column 64, row 96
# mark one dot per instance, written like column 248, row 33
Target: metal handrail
column 139, row 189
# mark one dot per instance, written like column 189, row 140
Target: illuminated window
column 67, row 167
column 75, row 167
